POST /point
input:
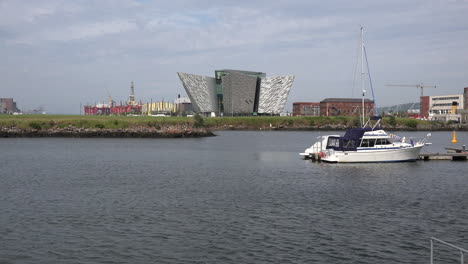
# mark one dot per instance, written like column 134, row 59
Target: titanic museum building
column 239, row 93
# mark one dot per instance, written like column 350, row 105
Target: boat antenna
column 362, row 76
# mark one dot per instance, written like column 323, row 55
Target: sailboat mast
column 362, row 76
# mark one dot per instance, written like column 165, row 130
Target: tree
column 198, row 121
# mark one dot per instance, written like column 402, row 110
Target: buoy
column 454, row 137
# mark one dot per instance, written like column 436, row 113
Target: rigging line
column 355, row 67
column 370, row 81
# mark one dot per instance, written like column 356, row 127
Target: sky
column 58, row 54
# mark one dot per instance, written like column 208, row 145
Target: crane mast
column 420, row 86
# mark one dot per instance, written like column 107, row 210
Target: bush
column 392, row 121
column 413, row 123
column 198, row 121
column 99, row 125
column 356, row 121
column 35, row 125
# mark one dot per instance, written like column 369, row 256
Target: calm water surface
column 241, row 197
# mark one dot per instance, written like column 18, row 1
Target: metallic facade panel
column 201, row 91
column 238, row 93
column 274, row 92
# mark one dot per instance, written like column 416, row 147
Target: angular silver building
column 201, row 90
column 234, row 92
column 239, row 93
column 274, row 93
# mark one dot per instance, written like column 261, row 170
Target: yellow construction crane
column 421, row 86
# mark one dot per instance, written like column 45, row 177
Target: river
column 240, row 197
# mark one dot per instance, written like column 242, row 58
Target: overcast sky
column 60, row 53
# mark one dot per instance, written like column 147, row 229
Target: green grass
column 248, row 122
column 107, row 122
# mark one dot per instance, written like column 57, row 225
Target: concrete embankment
column 144, row 132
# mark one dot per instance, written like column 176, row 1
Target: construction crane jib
column 420, row 86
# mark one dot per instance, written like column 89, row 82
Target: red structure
column 306, row 109
column 7, row 105
column 412, row 115
column 465, row 93
column 345, row 107
column 116, row 110
column 424, row 107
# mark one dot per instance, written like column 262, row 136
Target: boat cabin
column 359, row 138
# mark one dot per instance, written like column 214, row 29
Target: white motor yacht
column 365, row 144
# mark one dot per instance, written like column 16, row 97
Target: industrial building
column 235, row 92
column 181, row 106
column 111, row 108
column 450, row 107
column 334, row 107
column 8, row 106
column 345, row 107
column 306, row 109
column 107, row 109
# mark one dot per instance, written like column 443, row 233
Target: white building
column 445, row 107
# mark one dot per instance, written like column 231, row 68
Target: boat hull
column 374, row 155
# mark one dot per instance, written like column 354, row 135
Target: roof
column 309, row 103
column 355, row 133
column 345, row 100
column 240, row 71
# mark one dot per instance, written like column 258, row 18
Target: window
column 333, row 143
column 447, row 104
column 368, row 143
column 349, row 144
column 445, row 98
column 383, row 141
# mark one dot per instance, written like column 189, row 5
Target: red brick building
column 465, row 93
column 306, row 109
column 345, row 107
column 424, row 107
column 7, row 105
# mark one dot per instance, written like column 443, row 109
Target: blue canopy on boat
column 349, row 142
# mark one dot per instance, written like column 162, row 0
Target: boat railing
column 462, row 251
column 424, row 140
column 413, row 140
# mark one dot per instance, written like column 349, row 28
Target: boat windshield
column 333, row 142
column 371, row 142
column 383, row 141
column 367, row 143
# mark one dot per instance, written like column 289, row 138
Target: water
column 241, row 197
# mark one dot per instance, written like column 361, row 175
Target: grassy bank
column 100, row 122
column 44, row 122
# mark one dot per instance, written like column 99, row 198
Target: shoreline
column 172, row 132
column 72, row 132
column 336, row 128
column 185, row 127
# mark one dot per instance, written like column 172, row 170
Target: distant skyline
column 59, row 53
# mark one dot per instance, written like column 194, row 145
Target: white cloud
column 146, row 40
column 77, row 32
